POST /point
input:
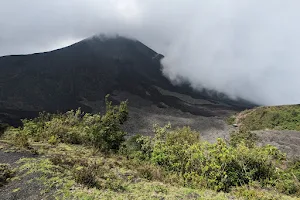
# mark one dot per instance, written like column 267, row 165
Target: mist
column 247, row 49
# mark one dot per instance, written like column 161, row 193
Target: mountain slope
column 82, row 74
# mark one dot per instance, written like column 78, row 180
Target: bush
column 248, row 138
column 137, row 146
column 83, row 170
column 76, row 127
column 94, row 175
column 151, row 172
column 287, row 181
column 230, row 120
column 198, row 164
column 220, row 167
column 18, row 137
column 107, row 134
column 170, row 147
column 5, row 173
column 87, row 175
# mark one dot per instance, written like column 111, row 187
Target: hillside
column 82, row 74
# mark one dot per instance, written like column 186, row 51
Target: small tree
column 107, row 135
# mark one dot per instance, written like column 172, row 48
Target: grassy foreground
column 85, row 156
column 75, row 172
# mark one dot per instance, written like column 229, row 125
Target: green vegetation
column 75, row 127
column 220, row 166
column 113, row 180
column 5, row 173
column 231, row 120
column 277, row 117
column 86, row 156
column 246, row 137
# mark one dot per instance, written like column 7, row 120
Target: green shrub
column 151, row 172
column 93, row 174
column 217, row 166
column 220, row 167
column 83, row 171
column 5, row 173
column 248, row 138
column 230, row 120
column 53, row 140
column 288, row 180
column 76, row 127
column 137, row 146
column 170, row 147
column 114, row 183
column 18, row 137
column 87, row 175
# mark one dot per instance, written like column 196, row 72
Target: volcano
column 82, row 74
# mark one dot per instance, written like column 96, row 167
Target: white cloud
column 243, row 48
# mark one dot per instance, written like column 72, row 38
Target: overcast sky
column 245, row 48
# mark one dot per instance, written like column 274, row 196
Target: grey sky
column 244, row 48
